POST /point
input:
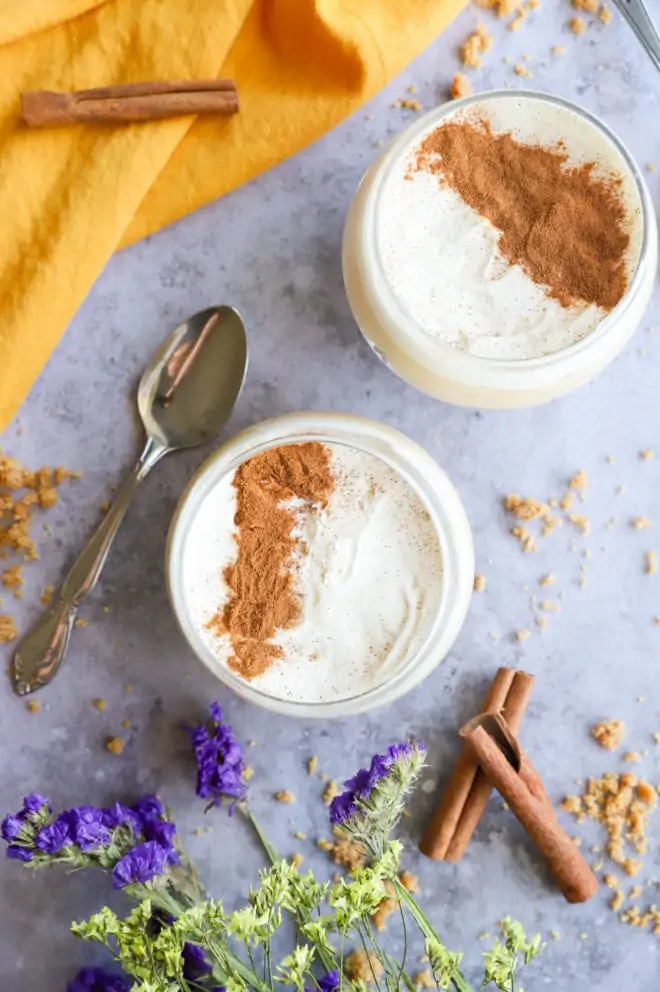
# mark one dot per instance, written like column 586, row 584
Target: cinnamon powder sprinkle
column 262, row 598
column 562, row 223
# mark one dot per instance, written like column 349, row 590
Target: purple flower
column 11, row 826
column 219, row 759
column 34, row 803
column 328, row 982
column 119, row 815
column 97, row 980
column 194, row 963
column 362, row 783
column 162, row 831
column 143, row 863
column 19, row 853
column 148, row 807
column 86, row 826
column 55, row 836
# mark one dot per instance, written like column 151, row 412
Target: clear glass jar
column 427, row 480
column 444, row 371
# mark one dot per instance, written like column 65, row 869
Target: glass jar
column 423, row 475
column 444, row 371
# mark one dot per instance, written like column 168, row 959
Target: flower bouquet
column 178, row 939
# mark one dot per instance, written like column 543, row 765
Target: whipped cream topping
column 441, row 258
column 368, row 574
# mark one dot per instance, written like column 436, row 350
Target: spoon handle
column 638, row 18
column 41, row 652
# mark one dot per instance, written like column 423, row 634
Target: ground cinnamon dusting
column 564, row 225
column 262, row 597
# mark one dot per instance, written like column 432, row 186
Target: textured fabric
column 74, row 195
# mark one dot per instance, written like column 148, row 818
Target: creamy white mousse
column 441, row 258
column 368, row 575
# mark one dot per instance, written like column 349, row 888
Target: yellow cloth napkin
column 74, row 195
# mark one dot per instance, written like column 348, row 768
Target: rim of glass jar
column 440, row 499
column 442, row 353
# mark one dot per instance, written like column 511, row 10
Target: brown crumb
column 632, row 756
column 80, row 622
column 522, row 70
column 521, row 635
column 126, row 724
column 605, row 14
column 405, row 103
column 503, row 8
column 651, row 167
column 547, row 580
column 650, row 562
column 8, row 631
column 479, row 583
column 517, row 22
column 609, row 733
column 297, row 859
column 312, row 764
column 330, row 792
column 385, row 909
column 33, row 706
column 579, row 481
column 640, row 523
column 100, row 704
column 460, row 86
column 115, row 745
column 105, row 506
column 247, row 773
column 611, row 881
column 527, row 542
column 47, row 595
column 363, row 966
column 558, row 50
column 409, row 881
column 300, row 835
column 425, row 980
column 572, row 804
column 646, row 454
column 523, row 507
column 577, row 25
column 616, row 902
column 581, row 522
column 474, row 46
column 284, row 796
column 588, row 6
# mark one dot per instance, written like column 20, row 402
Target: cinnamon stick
column 523, row 791
column 466, row 794
column 130, row 103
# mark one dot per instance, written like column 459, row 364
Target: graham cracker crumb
column 47, row 595
column 522, row 70
column 579, row 481
column 100, row 704
column 558, row 50
column 409, row 881
column 611, row 881
column 284, row 796
column 479, row 583
column 541, row 622
column 555, row 934
column 115, row 745
column 577, row 25
column 344, row 852
column 572, row 804
column 549, row 606
column 331, row 790
column 405, row 103
column 651, row 167
column 517, row 22
column 616, row 902
column 523, row 507
column 80, row 622
column 650, row 562
column 33, row 706
column 640, row 523
column 363, row 966
column 605, row 14
column 325, row 845
column 475, row 46
column 248, row 773
column 588, row 6
column 424, row 980
column 581, row 522
column 646, row 454
column 300, row 835
column 8, row 631
column 297, row 859
column 547, row 580
column 609, row 733
column 632, row 756
column 527, row 542
column 460, row 86
column 126, row 724
column 312, row 764
column 385, row 909
column 522, row 635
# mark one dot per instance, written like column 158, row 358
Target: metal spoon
column 638, row 18
column 185, row 396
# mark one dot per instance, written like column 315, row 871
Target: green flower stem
column 326, row 959
column 420, row 919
